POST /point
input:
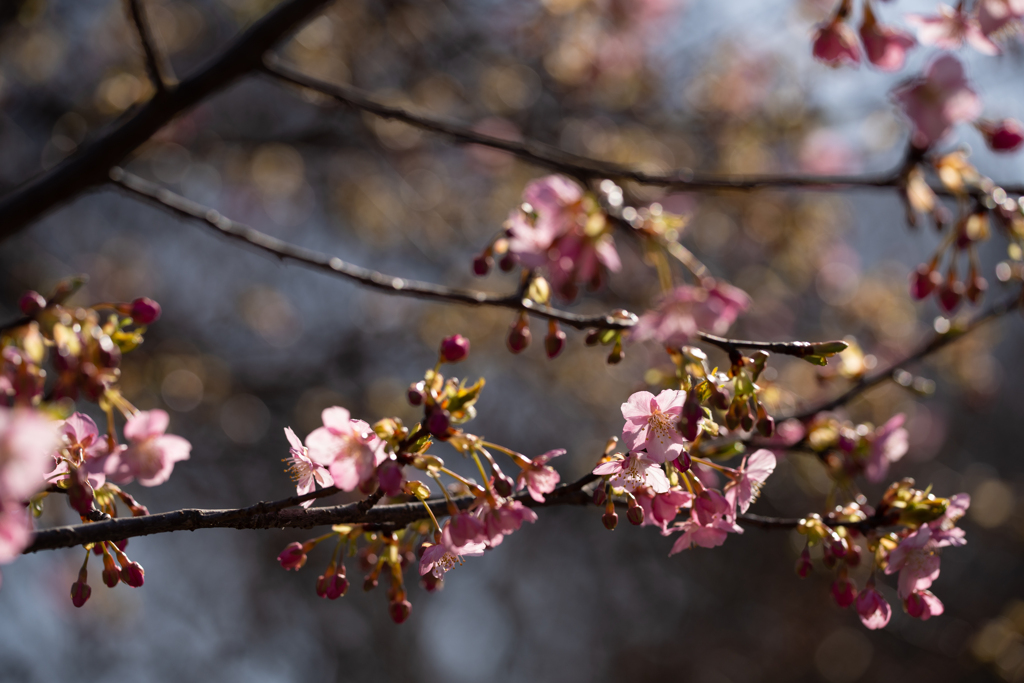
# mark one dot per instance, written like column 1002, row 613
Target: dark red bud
column 950, row 295
column 145, row 311
column 431, row 583
column 976, row 289
column 400, row 611
column 416, row 393
column 80, row 592
column 610, row 520
column 593, row 338
column 134, row 575
column 482, row 265
column 853, row 555
column 635, row 515
column 31, row 303
column 554, row 342
column 924, row 281
column 844, row 592
column 803, row 564
column 507, row 262
column 600, row 495
column 1002, row 136
column 438, row 423
column 519, row 336
column 454, row 348
column 683, row 462
column 503, row 485
column 111, row 577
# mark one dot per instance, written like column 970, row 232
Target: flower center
column 661, row 426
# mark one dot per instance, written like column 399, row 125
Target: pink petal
column 336, row 419
column 146, row 424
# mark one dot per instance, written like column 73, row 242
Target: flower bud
column 133, row 574
column 924, row 281
column 617, row 354
column 400, row 611
column 503, row 484
column 950, row 294
column 683, row 462
column 145, row 311
column 519, row 335
column 293, row 556
column 610, row 520
column 416, row 393
column 593, row 338
column 482, row 264
column 803, row 564
column 843, row 591
column 31, row 303
column 507, row 262
column 635, row 513
column 370, row 582
column 853, row 555
column 438, row 423
column 976, row 289
column 1002, row 136
column 80, row 591
column 600, row 495
column 689, row 419
column 454, row 348
column 431, row 583
column 554, row 342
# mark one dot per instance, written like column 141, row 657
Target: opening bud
column 293, row 556
column 454, row 348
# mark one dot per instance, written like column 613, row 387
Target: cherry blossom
column 915, row 559
column 886, row 47
column 950, row 28
column 937, row 101
column 304, row 472
column 538, row 477
column 660, row 509
column 835, row 43
column 27, row 441
column 923, row 605
column 348, row 448
column 712, row 519
column 994, row 15
column 685, row 310
column 633, row 472
column 888, row 444
column 652, row 423
column 503, row 519
column 151, row 454
column 440, row 558
column 872, row 608
column 742, row 491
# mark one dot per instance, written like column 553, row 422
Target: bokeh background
column 248, row 345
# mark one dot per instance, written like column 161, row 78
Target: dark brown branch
column 283, row 515
column 333, row 265
column 90, row 167
column 583, row 167
column 157, row 66
column 938, row 341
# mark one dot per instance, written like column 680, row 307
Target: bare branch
column 160, row 72
column 90, row 167
column 583, row 167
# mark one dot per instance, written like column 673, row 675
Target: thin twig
column 584, row 167
column 157, row 66
column 91, row 165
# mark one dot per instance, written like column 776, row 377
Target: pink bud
column 1002, row 136
column 400, row 611
column 293, row 556
column 134, row 575
column 950, row 294
column 80, row 591
column 554, row 342
column 683, row 462
column 111, row 577
column 31, row 303
column 145, row 311
column 689, row 420
column 835, row 43
column 803, row 564
column 843, row 591
column 454, row 348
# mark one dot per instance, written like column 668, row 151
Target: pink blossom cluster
column 952, row 27
column 850, row 450
column 836, row 43
column 684, row 311
column 561, row 229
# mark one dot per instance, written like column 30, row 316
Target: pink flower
column 993, row 15
column 347, row 447
column 465, row 529
column 923, row 605
column 661, row 509
column 633, row 472
column 1002, row 136
column 538, row 477
column 442, row 557
column 873, row 610
column 504, row 519
column 151, row 454
column 885, row 46
column 753, row 472
column 681, row 313
column 938, row 101
column 27, row 442
column 578, row 258
column 915, row 559
column 888, row 444
column 944, row 530
column 712, row 519
column 304, row 472
column 652, row 423
column 391, row 476
column 15, row 530
column 835, row 43
column 950, row 29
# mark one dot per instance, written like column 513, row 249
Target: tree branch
column 282, row 515
column 90, row 167
column 157, row 66
column 584, row 167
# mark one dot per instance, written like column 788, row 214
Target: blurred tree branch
column 157, row 66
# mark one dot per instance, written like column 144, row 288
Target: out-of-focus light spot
column 941, row 324
column 170, row 162
column 991, row 503
column 267, row 312
column 40, row 55
column 509, row 87
column 182, row 390
column 837, row 283
column 277, row 170
column 244, row 418
column 1003, row 271
column 117, row 93
column 562, row 6
column 996, row 638
column 843, row 656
